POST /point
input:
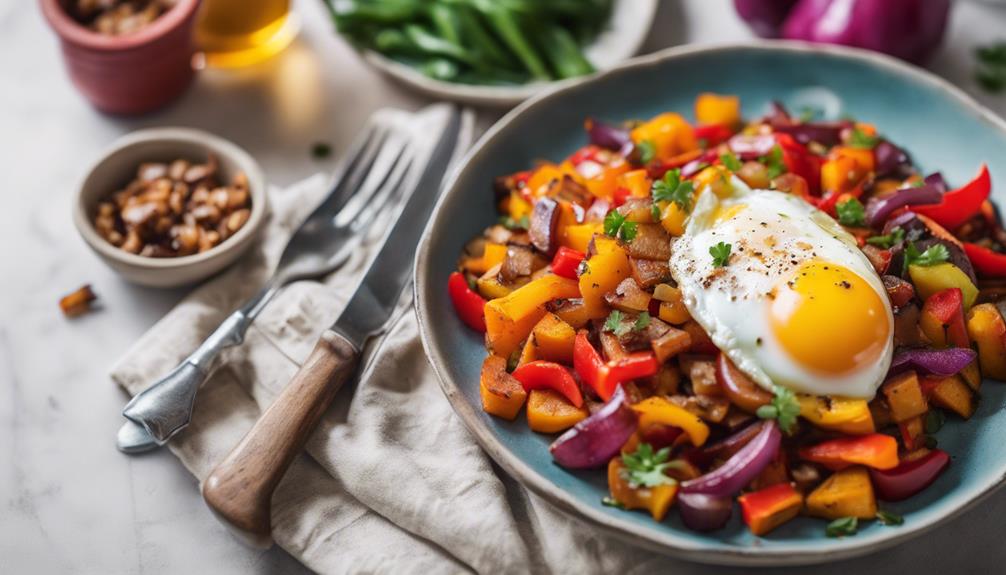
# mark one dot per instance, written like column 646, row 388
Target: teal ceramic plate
column 942, row 127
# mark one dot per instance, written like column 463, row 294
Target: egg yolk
column 829, row 319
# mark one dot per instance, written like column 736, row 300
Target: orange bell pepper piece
column 987, row 329
column 766, row 509
column 637, row 182
column 510, row 319
column 550, row 412
column 549, row 375
column 657, row 410
column 605, row 270
column 657, row 500
column 874, row 450
column 716, row 109
column 670, row 134
column 603, row 377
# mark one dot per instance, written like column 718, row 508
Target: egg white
column 771, row 234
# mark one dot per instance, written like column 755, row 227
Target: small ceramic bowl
column 130, row 74
column 117, row 167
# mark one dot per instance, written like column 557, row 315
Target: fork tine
column 378, row 173
column 389, row 192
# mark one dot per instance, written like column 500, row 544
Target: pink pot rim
column 69, row 30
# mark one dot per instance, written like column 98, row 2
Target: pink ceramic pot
column 130, row 74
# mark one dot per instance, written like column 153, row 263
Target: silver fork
column 376, row 166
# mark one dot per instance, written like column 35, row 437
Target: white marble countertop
column 71, row 503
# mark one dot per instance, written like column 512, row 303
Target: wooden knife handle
column 239, row 490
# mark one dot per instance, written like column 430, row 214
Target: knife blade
column 239, row 490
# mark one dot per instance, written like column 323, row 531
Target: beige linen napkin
column 392, row 481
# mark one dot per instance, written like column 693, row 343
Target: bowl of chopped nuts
column 171, row 206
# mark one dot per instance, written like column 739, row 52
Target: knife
column 239, row 490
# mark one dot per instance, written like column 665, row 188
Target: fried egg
column 796, row 304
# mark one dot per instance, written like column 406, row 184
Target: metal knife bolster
column 390, row 272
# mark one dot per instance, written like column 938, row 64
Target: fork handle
column 240, row 488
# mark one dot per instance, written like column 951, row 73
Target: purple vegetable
column 595, row 440
column 744, row 466
column 701, row 512
column 597, row 211
column 940, row 362
column 891, row 160
column 907, row 29
column 936, row 179
column 778, row 114
column 877, row 209
column 827, row 133
column 909, row 222
column 751, row 147
column 607, row 136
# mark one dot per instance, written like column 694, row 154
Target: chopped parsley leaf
column 673, row 189
column 934, row 254
column 784, row 408
column 888, row 518
column 642, row 321
column 616, row 226
column 614, row 323
column 842, row 527
column 860, row 139
column 896, row 236
column 644, row 468
column 774, row 162
column 730, row 161
column 647, row 151
column 851, row 213
column 519, row 224
column 721, row 254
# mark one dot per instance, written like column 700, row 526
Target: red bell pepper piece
column 713, row 134
column 586, row 153
column 603, row 377
column 987, row 263
column 800, row 161
column 566, row 261
column 947, row 307
column 621, row 194
column 874, row 450
column 469, row 305
column 549, row 375
column 768, row 508
column 910, row 477
column 958, row 206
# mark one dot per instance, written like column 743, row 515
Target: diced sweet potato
column 604, row 271
column 904, row 396
column 650, row 243
column 502, row 395
column 906, row 326
column 847, row 493
column 672, row 305
column 550, row 412
column 671, row 343
column 628, row 297
column 953, row 394
column 987, row 330
column 657, row 500
column 553, row 339
column 701, row 343
column 913, row 432
column 708, row 408
column 572, row 311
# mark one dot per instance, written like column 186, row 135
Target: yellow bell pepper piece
column 672, row 217
column 518, row 207
column 931, row 279
column 578, row 236
column 987, row 330
column 654, row 410
column 716, row 109
column 604, row 184
column 605, row 270
column 669, row 133
column 510, row 319
column 637, row 182
column 837, row 413
column 541, row 180
column 716, row 178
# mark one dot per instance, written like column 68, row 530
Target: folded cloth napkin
column 392, row 480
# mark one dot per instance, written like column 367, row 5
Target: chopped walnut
column 78, row 302
column 118, row 17
column 174, row 209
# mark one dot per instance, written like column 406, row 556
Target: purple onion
column 701, row 512
column 890, row 160
column 778, row 114
column 936, row 179
column 751, row 147
column 939, row 362
column 909, row 222
column 765, row 17
column 826, row 133
column 878, row 209
column 742, row 468
column 595, row 440
column 908, row 29
column 606, row 136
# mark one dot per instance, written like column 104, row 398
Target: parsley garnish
column 655, row 211
column 672, row 189
column 614, row 323
column 519, row 224
column 646, row 468
column 886, row 241
column 642, row 321
column 934, row 254
column 647, row 151
column 721, row 254
column 851, row 213
column 730, row 161
column 774, row 162
column 991, row 71
column 616, row 226
column 784, row 408
column 860, row 139
column 888, row 518
column 842, row 527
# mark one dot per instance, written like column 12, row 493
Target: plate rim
column 634, row 534
column 498, row 96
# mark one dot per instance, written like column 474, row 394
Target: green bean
column 564, row 53
column 446, row 22
column 435, row 45
column 440, row 69
column 508, row 28
column 475, row 35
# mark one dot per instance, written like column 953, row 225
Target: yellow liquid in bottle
column 235, row 33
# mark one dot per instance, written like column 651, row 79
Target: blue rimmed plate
column 942, row 127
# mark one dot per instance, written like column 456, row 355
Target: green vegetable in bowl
column 478, row 41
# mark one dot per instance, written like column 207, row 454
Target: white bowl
column 117, row 167
column 626, row 30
